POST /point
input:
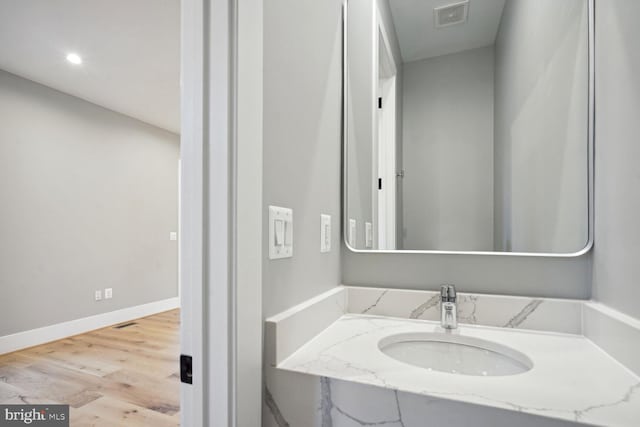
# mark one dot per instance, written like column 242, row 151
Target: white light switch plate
column 280, row 232
column 98, row 295
column 325, row 233
column 351, row 233
column 108, row 293
column 173, row 235
column 368, row 235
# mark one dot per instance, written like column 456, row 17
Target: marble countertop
column 572, row 378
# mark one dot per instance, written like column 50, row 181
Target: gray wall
column 448, row 152
column 302, row 143
column 541, row 126
column 301, row 166
column 90, row 197
column 616, row 270
column 493, row 274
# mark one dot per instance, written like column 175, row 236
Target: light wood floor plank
column 107, row 411
column 109, row 377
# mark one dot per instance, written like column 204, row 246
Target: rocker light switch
column 368, row 233
column 280, row 232
column 325, row 233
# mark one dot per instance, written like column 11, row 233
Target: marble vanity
column 566, row 378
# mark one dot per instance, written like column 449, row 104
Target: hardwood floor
column 109, row 377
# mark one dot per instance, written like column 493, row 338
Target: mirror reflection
column 466, row 125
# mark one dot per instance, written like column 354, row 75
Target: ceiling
column 130, row 51
column 420, row 39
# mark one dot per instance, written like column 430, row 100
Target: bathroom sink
column 455, row 354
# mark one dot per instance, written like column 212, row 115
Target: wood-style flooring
column 109, row 377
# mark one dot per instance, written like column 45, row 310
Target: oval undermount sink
column 455, row 354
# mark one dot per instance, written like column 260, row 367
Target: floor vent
column 124, row 325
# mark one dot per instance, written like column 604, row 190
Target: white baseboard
column 21, row 340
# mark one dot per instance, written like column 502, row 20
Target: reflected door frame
column 385, row 145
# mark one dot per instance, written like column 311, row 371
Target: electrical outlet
column 108, row 293
column 98, row 295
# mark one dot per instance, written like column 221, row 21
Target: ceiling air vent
column 451, row 14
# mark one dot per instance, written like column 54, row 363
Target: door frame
column 385, row 141
column 387, row 164
column 220, row 258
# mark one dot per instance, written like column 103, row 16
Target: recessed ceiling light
column 74, row 58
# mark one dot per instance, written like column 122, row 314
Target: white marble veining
column 546, row 314
column 347, row 404
column 572, row 379
column 344, row 392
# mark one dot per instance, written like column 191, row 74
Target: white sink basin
column 455, row 354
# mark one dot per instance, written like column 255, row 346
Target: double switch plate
column 281, row 232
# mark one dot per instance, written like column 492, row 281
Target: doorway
column 90, row 100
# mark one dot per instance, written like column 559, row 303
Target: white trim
column 374, row 131
column 385, row 226
column 191, row 231
column 208, row 212
column 219, row 216
column 33, row 337
column 249, row 209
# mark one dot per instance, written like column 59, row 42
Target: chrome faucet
column 448, row 307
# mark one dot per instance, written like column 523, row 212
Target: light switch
column 325, row 233
column 280, row 232
column 368, row 235
column 173, row 235
column 351, row 237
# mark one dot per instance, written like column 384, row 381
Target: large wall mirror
column 468, row 126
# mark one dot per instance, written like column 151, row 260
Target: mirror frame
column 590, row 156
